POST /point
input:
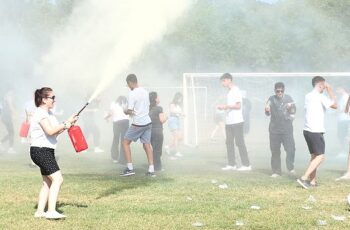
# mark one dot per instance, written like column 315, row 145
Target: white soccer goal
column 258, row 86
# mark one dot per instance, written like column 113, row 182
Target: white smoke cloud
column 102, row 39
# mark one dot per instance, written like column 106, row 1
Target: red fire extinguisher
column 23, row 132
column 77, row 137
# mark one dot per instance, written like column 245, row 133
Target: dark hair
column 177, row 100
column 131, row 78
column 152, row 100
column 226, row 76
column 279, row 85
column 40, row 94
column 122, row 100
column 316, row 80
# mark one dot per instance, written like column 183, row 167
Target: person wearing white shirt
column 141, row 125
column 316, row 104
column 346, row 112
column 234, row 125
column 120, row 126
column 343, row 119
column 44, row 129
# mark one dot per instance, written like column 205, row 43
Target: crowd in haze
column 139, row 117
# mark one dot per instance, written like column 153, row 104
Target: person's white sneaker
column 178, row 154
column 39, row 214
column 292, row 172
column 11, row 151
column 275, row 175
column 346, row 176
column 229, row 167
column 54, row 215
column 98, row 150
column 245, row 168
column 115, row 161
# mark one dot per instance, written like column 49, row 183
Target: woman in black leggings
column 158, row 118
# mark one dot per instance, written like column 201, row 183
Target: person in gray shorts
column 141, row 126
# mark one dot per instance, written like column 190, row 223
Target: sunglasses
column 53, row 97
column 279, row 91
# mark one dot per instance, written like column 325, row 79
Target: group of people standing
column 147, row 119
column 281, row 108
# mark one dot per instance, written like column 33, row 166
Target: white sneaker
column 54, row 215
column 178, row 154
column 115, row 161
column 292, row 172
column 346, row 176
column 229, row 167
column 245, row 168
column 39, row 214
column 98, row 150
column 11, row 151
column 275, row 175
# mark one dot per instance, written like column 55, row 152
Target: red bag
column 23, row 132
column 77, row 138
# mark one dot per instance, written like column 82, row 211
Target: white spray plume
column 103, row 37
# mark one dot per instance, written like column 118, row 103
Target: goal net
column 203, row 92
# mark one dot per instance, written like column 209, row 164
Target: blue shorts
column 139, row 132
column 174, row 123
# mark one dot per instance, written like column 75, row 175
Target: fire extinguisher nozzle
column 82, row 108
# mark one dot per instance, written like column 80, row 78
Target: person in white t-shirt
column 141, row 125
column 120, row 126
column 44, row 129
column 343, row 120
column 174, row 123
column 316, row 104
column 234, row 125
column 346, row 112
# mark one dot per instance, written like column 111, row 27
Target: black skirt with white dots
column 45, row 159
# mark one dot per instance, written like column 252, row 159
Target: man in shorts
column 141, row 126
column 316, row 104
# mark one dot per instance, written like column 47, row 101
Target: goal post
column 258, row 85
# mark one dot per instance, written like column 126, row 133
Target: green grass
column 93, row 196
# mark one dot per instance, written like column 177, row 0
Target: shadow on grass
column 119, row 184
column 128, row 183
column 60, row 205
column 76, row 205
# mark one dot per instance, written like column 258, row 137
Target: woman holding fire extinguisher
column 44, row 129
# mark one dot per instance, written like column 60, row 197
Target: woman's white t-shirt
column 37, row 135
column 118, row 112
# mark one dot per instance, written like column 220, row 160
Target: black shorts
column 315, row 142
column 45, row 159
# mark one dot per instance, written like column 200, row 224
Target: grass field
column 93, row 196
